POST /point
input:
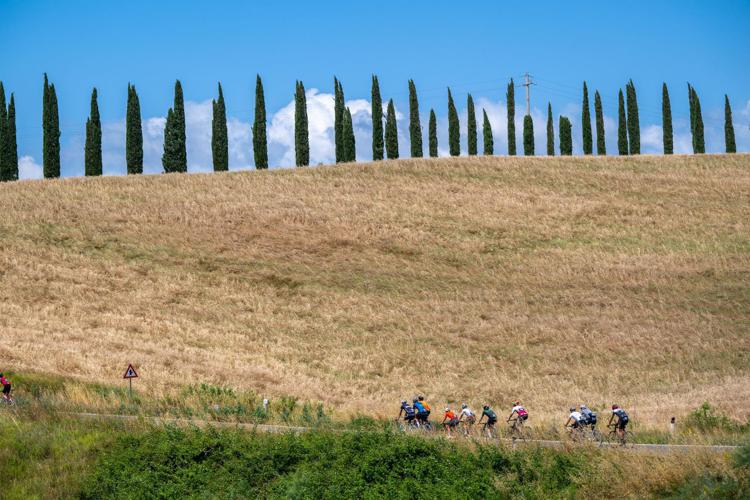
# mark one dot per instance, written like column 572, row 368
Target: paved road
column 278, row 429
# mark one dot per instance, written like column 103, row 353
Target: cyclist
column 408, row 412
column 450, row 420
column 620, row 423
column 520, row 412
column 589, row 417
column 468, row 417
column 6, row 387
column 423, row 411
column 575, row 420
column 491, row 419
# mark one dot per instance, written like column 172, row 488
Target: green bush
column 230, row 463
column 708, row 419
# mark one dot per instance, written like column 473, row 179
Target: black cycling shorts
column 408, row 418
column 491, row 421
column 6, row 389
column 621, row 424
column 452, row 423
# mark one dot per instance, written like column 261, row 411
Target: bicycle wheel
column 597, row 437
column 629, row 439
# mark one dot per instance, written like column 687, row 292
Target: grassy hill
column 553, row 281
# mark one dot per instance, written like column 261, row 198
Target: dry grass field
column 553, row 281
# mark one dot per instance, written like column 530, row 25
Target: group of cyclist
column 583, row 418
column 417, row 415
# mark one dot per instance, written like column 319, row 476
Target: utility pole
column 528, row 83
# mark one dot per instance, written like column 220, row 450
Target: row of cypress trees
column 384, row 139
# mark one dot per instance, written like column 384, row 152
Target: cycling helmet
column 614, row 407
column 421, row 398
column 447, row 409
column 517, row 403
column 464, row 406
column 583, row 406
column 572, row 409
column 486, row 407
column 403, row 402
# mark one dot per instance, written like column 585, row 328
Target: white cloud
column 28, row 168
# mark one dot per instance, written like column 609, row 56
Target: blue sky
column 471, row 46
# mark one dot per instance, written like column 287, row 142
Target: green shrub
column 708, row 419
column 229, row 463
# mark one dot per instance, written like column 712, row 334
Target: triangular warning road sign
column 130, row 372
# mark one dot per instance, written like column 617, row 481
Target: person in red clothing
column 6, row 387
column 450, row 421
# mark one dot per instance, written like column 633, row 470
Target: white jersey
column 519, row 410
column 466, row 412
column 576, row 416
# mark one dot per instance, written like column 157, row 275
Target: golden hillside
column 553, row 281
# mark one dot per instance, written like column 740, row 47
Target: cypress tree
column 634, row 128
column 601, row 144
column 51, row 132
column 433, row 135
column 622, row 127
column 301, row 132
column 415, row 128
column 691, row 103
column 45, row 126
column 698, row 139
column 391, row 132
column 588, row 143
column 489, row 141
column 350, row 150
column 93, row 150
column 511, row 105
column 10, row 140
column 174, row 158
column 338, row 119
column 731, row 146
column 219, row 134
column 666, row 121
column 528, row 136
column 133, row 133
column 472, row 126
column 550, row 132
column 454, row 134
column 260, row 142
column 4, row 162
column 377, row 121
column 566, row 137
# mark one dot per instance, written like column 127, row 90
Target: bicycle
column 586, row 433
column 489, row 430
column 405, row 426
column 466, row 427
column 625, row 440
column 11, row 401
column 516, row 430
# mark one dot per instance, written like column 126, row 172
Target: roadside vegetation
column 62, row 457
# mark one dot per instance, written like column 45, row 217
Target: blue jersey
column 418, row 406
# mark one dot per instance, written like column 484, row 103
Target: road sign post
column 130, row 374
